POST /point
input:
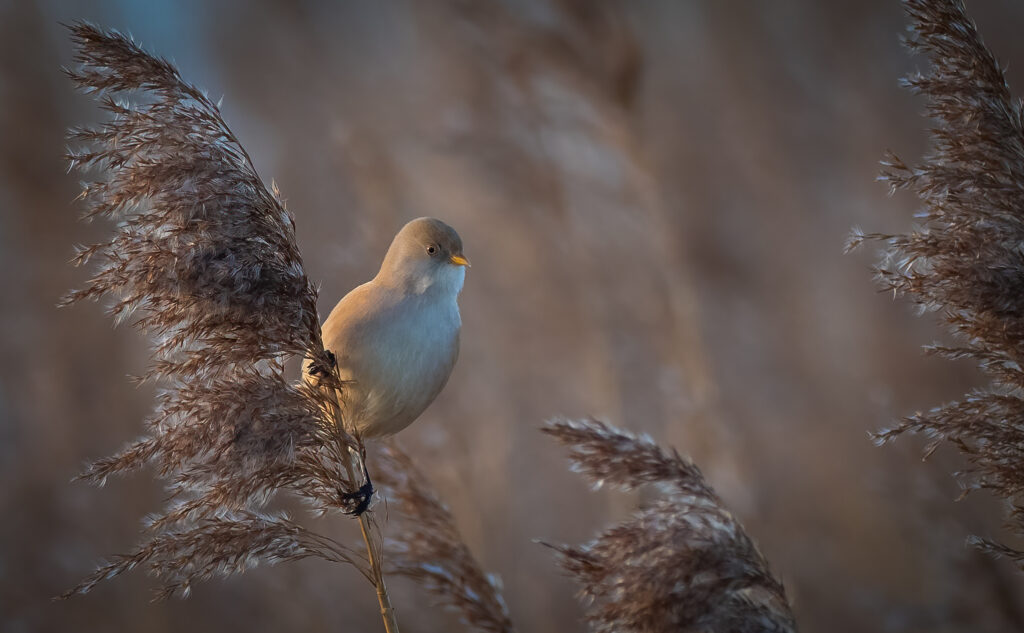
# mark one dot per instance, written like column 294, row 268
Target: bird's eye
column 431, row 249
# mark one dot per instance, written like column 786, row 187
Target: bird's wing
column 354, row 322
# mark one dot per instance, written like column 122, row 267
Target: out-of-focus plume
column 428, row 548
column 681, row 564
column 964, row 260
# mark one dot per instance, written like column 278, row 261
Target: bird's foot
column 323, row 367
column 358, row 502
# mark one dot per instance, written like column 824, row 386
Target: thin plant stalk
column 387, row 611
column 353, row 466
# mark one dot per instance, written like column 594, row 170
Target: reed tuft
column 203, row 258
column 429, row 549
column 683, row 563
column 964, row 260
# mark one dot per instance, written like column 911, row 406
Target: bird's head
column 426, row 255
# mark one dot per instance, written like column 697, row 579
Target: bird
column 395, row 338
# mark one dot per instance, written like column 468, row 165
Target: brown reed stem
column 354, row 465
column 387, row 611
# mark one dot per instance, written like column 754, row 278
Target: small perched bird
column 395, row 338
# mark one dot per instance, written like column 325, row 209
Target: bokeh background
column 655, row 197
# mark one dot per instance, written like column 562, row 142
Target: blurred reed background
column 654, row 196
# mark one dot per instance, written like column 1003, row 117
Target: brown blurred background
column 654, row 196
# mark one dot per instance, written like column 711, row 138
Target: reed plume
column 429, row 548
column 683, row 563
column 204, row 259
column 964, row 259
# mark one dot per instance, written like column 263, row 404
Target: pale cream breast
column 397, row 350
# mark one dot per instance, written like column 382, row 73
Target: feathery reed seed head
column 204, row 258
column 965, row 260
column 430, row 549
column 682, row 564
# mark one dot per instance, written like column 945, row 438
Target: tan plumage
column 396, row 337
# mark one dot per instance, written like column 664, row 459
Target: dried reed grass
column 681, row 564
column 204, row 258
column 430, row 549
column 964, row 259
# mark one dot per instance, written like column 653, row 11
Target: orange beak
column 459, row 260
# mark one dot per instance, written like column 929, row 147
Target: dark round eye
column 431, row 249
